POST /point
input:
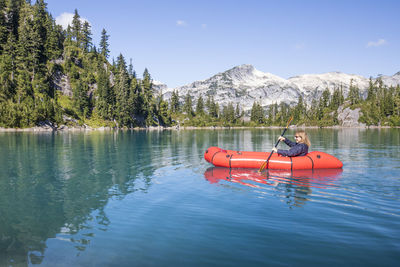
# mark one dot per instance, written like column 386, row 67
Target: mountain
column 244, row 84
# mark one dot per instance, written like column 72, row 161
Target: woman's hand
column 281, row 138
column 274, row 149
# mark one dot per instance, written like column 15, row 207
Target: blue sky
column 183, row 41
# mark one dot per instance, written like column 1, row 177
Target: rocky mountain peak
column 244, row 84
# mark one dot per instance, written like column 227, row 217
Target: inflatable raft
column 246, row 159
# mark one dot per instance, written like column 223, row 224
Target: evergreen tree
column 257, row 113
column 337, row 99
column 12, row 10
column 175, row 106
column 164, row 113
column 212, row 107
column 54, row 40
column 8, row 67
column 80, row 98
column 187, row 106
column 122, row 93
column 77, row 29
column 354, row 94
column 299, row 110
column 104, row 44
column 200, row 106
column 86, row 37
column 228, row 113
column 104, row 99
column 149, row 103
column 3, row 25
column 326, row 96
column 371, row 96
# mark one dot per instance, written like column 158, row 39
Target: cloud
column 181, row 23
column 66, row 18
column 380, row 42
column 204, row 26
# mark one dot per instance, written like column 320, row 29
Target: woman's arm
column 289, row 142
column 297, row 150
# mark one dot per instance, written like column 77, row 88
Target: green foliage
column 187, row 106
column 257, row 113
column 104, row 46
column 175, row 105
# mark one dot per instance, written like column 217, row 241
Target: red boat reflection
column 318, row 178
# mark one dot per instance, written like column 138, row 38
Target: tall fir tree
column 200, row 106
column 175, row 105
column 86, row 37
column 104, row 45
column 76, row 28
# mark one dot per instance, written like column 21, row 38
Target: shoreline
column 177, row 128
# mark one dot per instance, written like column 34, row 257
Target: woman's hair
column 304, row 138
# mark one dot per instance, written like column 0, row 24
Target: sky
column 180, row 41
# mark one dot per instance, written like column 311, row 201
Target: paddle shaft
column 277, row 143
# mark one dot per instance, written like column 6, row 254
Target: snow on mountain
column 244, row 84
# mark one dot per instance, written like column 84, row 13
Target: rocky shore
column 160, row 128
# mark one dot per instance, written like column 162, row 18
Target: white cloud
column 181, row 23
column 377, row 43
column 65, row 19
column 203, row 26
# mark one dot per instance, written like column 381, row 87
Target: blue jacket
column 296, row 149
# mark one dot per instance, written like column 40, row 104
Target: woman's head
column 301, row 137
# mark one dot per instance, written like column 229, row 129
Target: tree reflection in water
column 57, row 185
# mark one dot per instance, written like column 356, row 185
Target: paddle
column 277, row 143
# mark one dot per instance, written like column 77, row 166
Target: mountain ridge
column 244, row 84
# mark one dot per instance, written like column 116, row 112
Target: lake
column 148, row 198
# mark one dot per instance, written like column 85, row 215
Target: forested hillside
column 59, row 77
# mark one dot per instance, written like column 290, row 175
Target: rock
column 349, row 118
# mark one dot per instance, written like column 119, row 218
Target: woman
column 298, row 148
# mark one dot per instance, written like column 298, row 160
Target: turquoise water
column 137, row 198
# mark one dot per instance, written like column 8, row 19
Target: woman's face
column 297, row 138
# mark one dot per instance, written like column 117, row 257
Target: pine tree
column 228, row 113
column 212, row 107
column 8, row 68
column 104, row 98
column 164, row 114
column 122, row 93
column 12, row 9
column 326, row 97
column 200, row 106
column 86, row 37
column 3, row 25
column 371, row 91
column 354, row 94
column 337, row 99
column 238, row 114
column 187, row 106
column 299, row 109
column 175, row 106
column 80, row 98
column 257, row 113
column 104, row 44
column 77, row 29
column 149, row 103
column 54, row 40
